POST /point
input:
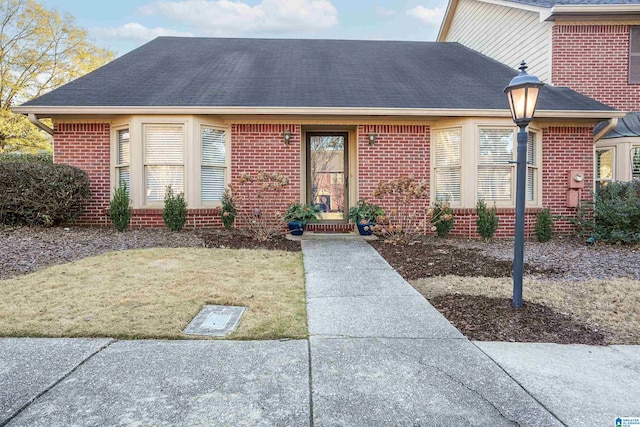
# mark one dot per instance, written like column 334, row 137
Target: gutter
column 612, row 123
column 597, row 11
column 34, row 119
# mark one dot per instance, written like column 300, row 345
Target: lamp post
column 522, row 93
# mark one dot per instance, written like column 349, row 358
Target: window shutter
column 447, row 173
column 123, row 159
column 634, row 55
column 212, row 173
column 164, row 157
column 495, row 173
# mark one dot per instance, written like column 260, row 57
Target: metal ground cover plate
column 215, row 321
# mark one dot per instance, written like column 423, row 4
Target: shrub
column 613, row 216
column 38, row 193
column 441, row 218
column 228, row 209
column 407, row 217
column 257, row 198
column 25, row 157
column 174, row 213
column 544, row 226
column 298, row 212
column 120, row 207
column 487, row 222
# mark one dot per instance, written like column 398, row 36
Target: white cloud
column 224, row 17
column 137, row 32
column 384, row 11
column 431, row 17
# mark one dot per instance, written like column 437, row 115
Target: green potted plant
column 297, row 216
column 365, row 216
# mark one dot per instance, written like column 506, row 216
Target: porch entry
column 327, row 174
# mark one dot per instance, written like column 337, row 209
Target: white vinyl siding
column 213, row 166
column 448, row 164
column 495, row 172
column 163, row 160
column 123, row 159
column 506, row 34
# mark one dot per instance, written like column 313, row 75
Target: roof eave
column 49, row 111
column 590, row 10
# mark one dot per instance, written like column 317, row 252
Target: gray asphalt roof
column 628, row 126
column 551, row 3
column 217, row 72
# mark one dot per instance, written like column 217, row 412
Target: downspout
column 34, row 119
column 612, row 123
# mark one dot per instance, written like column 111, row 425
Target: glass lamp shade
column 522, row 94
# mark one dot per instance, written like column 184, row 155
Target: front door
column 327, row 174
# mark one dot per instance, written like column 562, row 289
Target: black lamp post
column 522, row 93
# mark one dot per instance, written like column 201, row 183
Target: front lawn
column 155, row 293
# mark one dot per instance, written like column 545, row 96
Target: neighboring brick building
column 592, row 48
column 334, row 117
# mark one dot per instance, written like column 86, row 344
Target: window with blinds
column 532, row 167
column 213, row 166
column 447, row 164
column 123, row 159
column 604, row 167
column 163, row 160
column 495, row 172
column 634, row 55
column 635, row 162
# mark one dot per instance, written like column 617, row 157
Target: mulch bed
column 234, row 239
column 428, row 259
column 494, row 319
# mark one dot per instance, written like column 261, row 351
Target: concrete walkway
column 379, row 354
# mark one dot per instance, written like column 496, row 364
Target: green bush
column 441, row 218
column 613, row 216
column 24, row 157
column 487, row 222
column 228, row 209
column 38, row 193
column 174, row 213
column 120, row 207
column 544, row 226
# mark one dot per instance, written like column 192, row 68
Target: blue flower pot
column 365, row 229
column 297, row 227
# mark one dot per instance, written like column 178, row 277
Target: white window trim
column 434, row 167
column 614, row 164
column 227, row 163
column 191, row 160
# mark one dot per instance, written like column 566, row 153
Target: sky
column 123, row 25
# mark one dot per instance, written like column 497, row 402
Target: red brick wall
column 594, row 60
column 86, row 146
column 564, row 149
column 261, row 147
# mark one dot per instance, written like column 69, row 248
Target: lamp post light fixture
column 522, row 94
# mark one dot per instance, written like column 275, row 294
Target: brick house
column 335, row 117
column 590, row 46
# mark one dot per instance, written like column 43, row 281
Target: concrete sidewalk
column 379, row 354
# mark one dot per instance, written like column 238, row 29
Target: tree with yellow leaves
column 39, row 51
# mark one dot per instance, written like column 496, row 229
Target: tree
column 39, row 51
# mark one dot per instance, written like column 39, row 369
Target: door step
column 330, row 228
column 309, row 235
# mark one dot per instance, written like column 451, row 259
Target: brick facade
column 593, row 59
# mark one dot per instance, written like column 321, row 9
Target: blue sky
column 123, row 25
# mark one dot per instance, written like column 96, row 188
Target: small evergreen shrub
column 174, row 213
column 613, row 216
column 39, row 193
column 487, row 222
column 228, row 210
column 441, row 217
column 120, row 207
column 544, row 226
column 26, row 157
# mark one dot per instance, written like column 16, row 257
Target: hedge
column 39, row 193
column 21, row 157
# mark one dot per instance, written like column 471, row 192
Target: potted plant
column 297, row 216
column 365, row 216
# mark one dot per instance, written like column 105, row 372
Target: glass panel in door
column 326, row 175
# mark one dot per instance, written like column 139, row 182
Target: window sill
column 501, row 210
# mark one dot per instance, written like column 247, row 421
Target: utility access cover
column 215, row 321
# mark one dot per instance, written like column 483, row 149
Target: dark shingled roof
column 551, row 3
column 628, row 126
column 217, row 72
